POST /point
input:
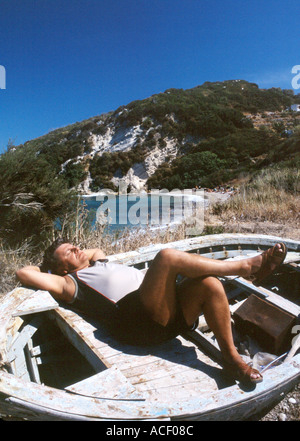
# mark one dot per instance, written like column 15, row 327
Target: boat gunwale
column 278, row 377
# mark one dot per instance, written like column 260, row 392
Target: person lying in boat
column 152, row 308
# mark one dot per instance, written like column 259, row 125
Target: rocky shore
column 287, row 410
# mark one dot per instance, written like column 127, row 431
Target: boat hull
column 23, row 398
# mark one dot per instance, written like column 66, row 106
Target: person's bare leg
column 158, row 295
column 158, row 288
column 207, row 295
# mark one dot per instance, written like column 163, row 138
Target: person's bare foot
column 261, row 266
column 241, row 371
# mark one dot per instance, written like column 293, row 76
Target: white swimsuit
column 102, row 285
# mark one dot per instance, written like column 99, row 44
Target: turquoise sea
column 141, row 210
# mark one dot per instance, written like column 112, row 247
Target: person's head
column 62, row 258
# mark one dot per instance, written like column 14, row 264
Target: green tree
column 32, row 196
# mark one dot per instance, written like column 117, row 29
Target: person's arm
column 95, row 254
column 61, row 288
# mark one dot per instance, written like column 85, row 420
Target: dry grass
column 11, row 260
column 269, row 204
column 273, row 196
column 255, row 205
column 130, row 239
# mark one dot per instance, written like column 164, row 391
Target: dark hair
column 50, row 262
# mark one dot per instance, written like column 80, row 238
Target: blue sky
column 68, row 60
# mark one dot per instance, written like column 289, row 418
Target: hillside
column 213, row 134
column 148, row 142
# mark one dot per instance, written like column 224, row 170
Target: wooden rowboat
column 56, row 364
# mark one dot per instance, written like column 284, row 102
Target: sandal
column 271, row 260
column 242, row 373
